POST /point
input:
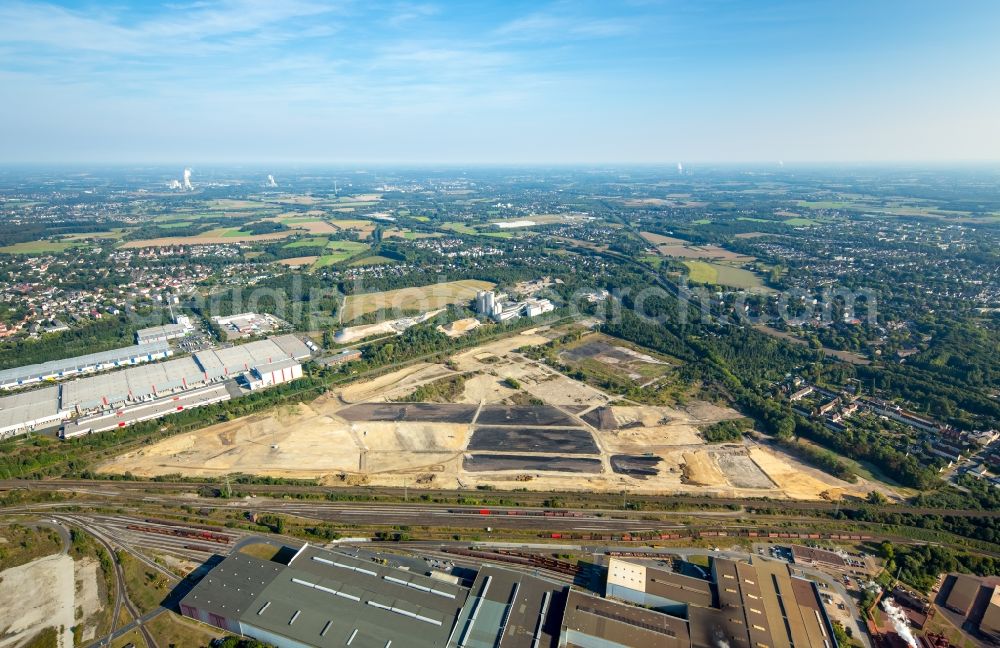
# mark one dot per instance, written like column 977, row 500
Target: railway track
column 597, row 502
column 121, row 593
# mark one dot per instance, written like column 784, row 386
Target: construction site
column 515, row 423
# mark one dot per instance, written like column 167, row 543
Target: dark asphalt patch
column 601, row 418
column 641, row 466
column 415, row 412
column 483, row 463
column 504, row 439
column 537, row 415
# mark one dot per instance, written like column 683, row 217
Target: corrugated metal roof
column 91, row 361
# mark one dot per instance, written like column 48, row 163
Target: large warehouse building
column 745, row 605
column 336, row 598
column 89, row 400
column 55, row 370
column 29, row 410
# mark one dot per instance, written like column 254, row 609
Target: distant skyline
column 641, row 81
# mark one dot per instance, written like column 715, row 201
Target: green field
column 372, row 260
column 827, row 204
column 409, row 235
column 338, row 251
column 175, row 224
column 702, row 221
column 722, row 275
column 652, row 259
column 346, row 246
column 39, row 247
column 226, row 232
column 115, row 233
column 298, row 220
column 328, row 260
column 799, row 222
column 313, row 241
column 461, row 228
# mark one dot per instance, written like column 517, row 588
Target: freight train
column 570, row 514
column 647, row 536
column 194, row 534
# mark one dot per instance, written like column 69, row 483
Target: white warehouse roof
column 80, row 364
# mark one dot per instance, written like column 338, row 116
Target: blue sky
column 499, row 82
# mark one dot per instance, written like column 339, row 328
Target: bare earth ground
column 312, row 441
column 299, row 261
column 88, row 600
column 171, row 241
column 422, row 298
column 36, row 596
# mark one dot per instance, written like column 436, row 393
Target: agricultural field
column 298, row 262
column 313, row 221
column 408, row 235
column 313, row 241
column 659, row 239
column 723, row 275
column 39, row 247
column 459, row 227
column 339, row 251
column 422, row 298
column 223, row 204
column 364, row 228
column 218, row 236
column 372, row 260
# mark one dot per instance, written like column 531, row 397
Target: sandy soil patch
column 700, row 469
column 659, row 239
column 480, row 357
column 702, row 252
column 459, row 327
column 647, row 415
column 396, row 383
column 485, row 388
column 317, row 227
column 88, row 599
column 705, row 413
column 307, row 444
column 36, row 596
column 798, row 482
column 422, row 298
column 298, row 261
column 639, row 440
column 171, row 241
column 558, row 389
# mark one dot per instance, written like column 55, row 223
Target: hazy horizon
column 514, row 83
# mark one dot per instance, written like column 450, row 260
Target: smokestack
column 187, row 180
column 270, row 181
column 899, row 622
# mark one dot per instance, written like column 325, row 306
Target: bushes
column 726, row 431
